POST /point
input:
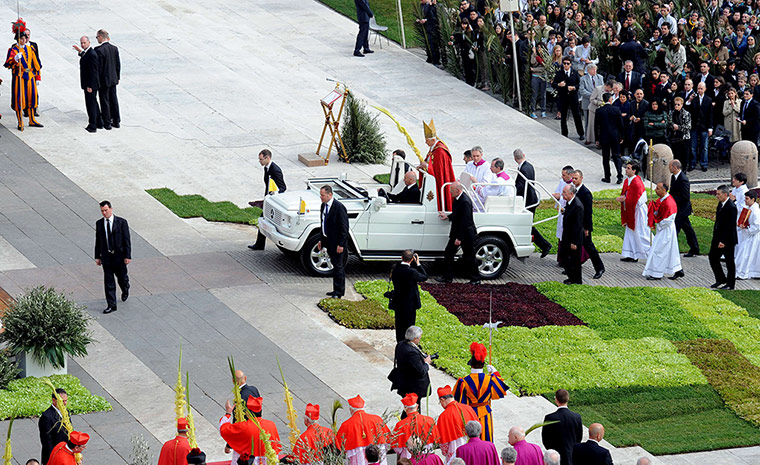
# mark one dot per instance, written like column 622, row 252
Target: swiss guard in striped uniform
column 25, row 68
column 478, row 389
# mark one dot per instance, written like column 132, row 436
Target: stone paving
column 194, row 281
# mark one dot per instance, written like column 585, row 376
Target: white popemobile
column 379, row 230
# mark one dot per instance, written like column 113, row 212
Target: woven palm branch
column 335, row 407
column 237, row 400
column 292, row 414
column 402, row 130
column 8, row 454
column 179, row 391
column 539, row 425
column 269, row 452
column 190, row 420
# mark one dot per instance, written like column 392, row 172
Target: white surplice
column 748, row 250
column 636, row 242
column 664, row 256
column 738, row 193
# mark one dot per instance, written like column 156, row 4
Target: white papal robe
column 748, row 250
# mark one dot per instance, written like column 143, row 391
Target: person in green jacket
column 655, row 123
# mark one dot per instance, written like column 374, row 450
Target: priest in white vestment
column 633, row 215
column 748, row 250
column 664, row 257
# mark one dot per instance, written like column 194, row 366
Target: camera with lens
column 434, row 356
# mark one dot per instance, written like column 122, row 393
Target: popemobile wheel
column 491, row 256
column 317, row 262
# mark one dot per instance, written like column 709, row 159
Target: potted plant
column 42, row 327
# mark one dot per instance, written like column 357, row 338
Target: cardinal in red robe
column 63, row 452
column 240, row 435
column 415, row 424
column 360, row 430
column 438, row 164
column 174, row 451
column 310, row 445
column 451, row 422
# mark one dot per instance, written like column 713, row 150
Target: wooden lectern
column 332, row 121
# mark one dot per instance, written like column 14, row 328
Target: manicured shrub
column 8, row 368
column 30, row 397
column 513, row 304
column 197, row 206
column 364, row 141
column 362, row 314
column 630, row 312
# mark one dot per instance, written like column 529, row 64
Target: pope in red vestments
column 174, row 452
column 451, row 422
column 63, row 455
column 310, row 445
column 415, row 424
column 360, row 430
column 240, row 435
column 438, row 164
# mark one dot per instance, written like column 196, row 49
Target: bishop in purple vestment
column 477, row 451
column 527, row 453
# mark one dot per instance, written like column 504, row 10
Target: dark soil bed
column 513, row 304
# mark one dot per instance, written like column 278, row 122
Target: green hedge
column 362, row 314
column 196, row 206
column 543, row 359
column 672, row 420
column 731, row 374
column 29, row 397
column 627, row 312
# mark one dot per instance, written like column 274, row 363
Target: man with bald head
column 527, row 453
column 644, row 461
column 462, row 234
column 410, row 193
column 89, row 78
column 590, row 452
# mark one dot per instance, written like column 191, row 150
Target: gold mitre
column 429, row 129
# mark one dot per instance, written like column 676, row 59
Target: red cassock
column 309, row 446
column 61, row 455
column 661, row 209
column 632, row 193
column 440, row 167
column 239, row 435
column 361, row 430
column 451, row 422
column 174, row 452
column 415, row 424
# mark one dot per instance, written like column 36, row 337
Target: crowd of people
column 684, row 74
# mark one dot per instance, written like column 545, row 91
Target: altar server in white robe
column 664, row 257
column 633, row 215
column 748, row 250
column 739, row 181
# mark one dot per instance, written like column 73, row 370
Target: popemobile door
column 395, row 227
column 436, row 230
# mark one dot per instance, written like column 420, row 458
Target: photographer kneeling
column 411, row 365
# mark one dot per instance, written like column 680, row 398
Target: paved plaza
column 203, row 89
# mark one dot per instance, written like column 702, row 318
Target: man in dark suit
column 566, row 81
column 705, row 76
column 363, row 14
column 462, row 234
column 273, row 172
column 590, row 452
column 409, row 194
column 406, row 293
column 749, row 117
column 587, row 199
column 334, row 219
column 639, row 106
column 52, row 432
column 562, row 436
column 630, row 79
column 246, row 390
column 608, row 126
column 526, row 190
column 113, row 251
column 89, row 78
column 110, row 74
column 680, row 189
column 701, row 126
column 411, row 366
column 724, row 240
column 572, row 235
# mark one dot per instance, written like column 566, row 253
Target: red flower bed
column 513, row 304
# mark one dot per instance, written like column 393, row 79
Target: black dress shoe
column 652, row 278
column 115, row 125
column 564, row 272
column 581, row 137
column 109, row 310
column 716, row 285
column 20, row 128
column 690, row 254
column 619, row 181
column 727, row 287
column 255, row 247
column 629, row 259
column 704, row 169
column 331, row 293
column 607, row 180
column 546, row 251
column 107, row 128
column 366, row 50
column 474, row 281
column 358, row 54
column 36, row 125
column 335, row 296
column 90, row 129
column 678, row 274
column 599, row 274
column 689, row 169
column 444, row 280
column 124, row 296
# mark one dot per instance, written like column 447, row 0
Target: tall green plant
column 364, row 141
column 48, row 326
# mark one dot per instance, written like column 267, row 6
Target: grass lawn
column 386, row 14
column 382, row 178
column 749, row 300
column 29, row 397
column 196, row 206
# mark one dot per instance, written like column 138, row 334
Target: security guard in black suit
column 110, row 74
column 89, row 78
column 52, row 432
column 463, row 234
column 113, row 251
column 406, row 293
column 273, row 172
column 334, row 219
